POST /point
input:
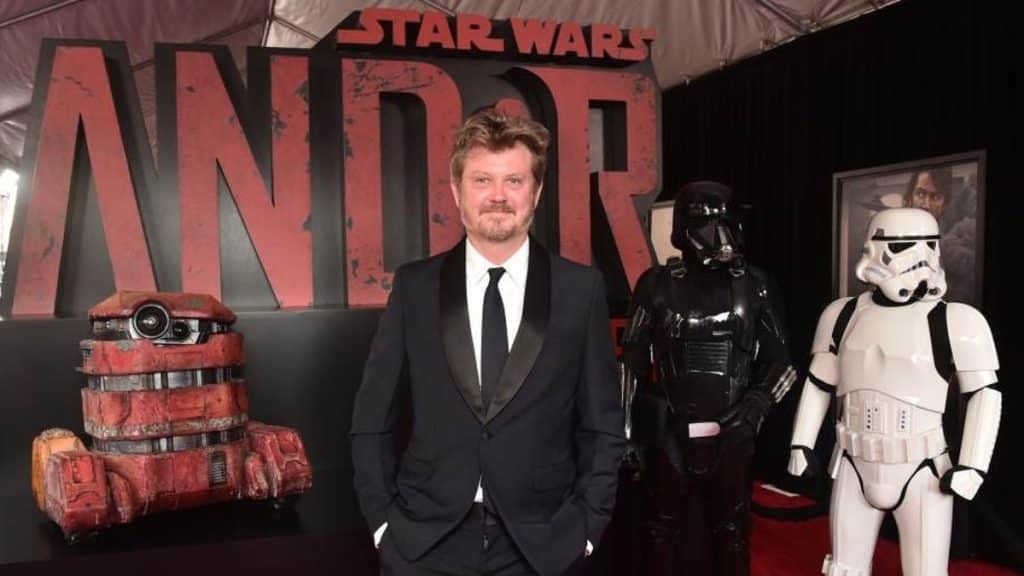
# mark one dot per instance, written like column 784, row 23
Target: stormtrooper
column 887, row 356
column 708, row 327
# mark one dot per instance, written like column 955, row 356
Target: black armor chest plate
column 704, row 339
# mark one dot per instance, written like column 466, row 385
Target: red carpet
column 788, row 548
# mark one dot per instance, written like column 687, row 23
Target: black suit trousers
column 474, row 547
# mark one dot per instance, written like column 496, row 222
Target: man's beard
column 500, row 230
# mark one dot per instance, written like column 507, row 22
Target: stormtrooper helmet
column 901, row 255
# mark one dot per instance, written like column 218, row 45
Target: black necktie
column 494, row 338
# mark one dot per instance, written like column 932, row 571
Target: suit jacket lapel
column 532, row 330
column 458, row 343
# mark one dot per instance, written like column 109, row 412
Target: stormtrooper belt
column 889, row 449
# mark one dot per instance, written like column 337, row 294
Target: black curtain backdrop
column 919, row 79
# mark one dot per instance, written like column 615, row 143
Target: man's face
column 497, row 194
column 927, row 195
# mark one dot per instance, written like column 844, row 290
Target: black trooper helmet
column 704, row 227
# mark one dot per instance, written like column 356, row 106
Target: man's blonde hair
column 495, row 131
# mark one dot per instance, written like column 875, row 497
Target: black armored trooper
column 705, row 337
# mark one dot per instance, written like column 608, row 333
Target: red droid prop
column 167, row 411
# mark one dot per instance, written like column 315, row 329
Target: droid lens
column 180, row 330
column 151, row 320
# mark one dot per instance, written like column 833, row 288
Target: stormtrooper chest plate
column 889, row 350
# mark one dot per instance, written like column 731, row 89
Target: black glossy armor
column 709, row 329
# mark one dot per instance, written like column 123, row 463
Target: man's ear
column 455, row 192
column 536, row 198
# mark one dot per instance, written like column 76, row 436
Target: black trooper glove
column 634, row 461
column 750, row 412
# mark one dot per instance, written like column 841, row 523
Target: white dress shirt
column 511, row 286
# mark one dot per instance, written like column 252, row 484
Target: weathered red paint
column 434, row 31
column 638, row 40
column 175, row 480
column 571, row 39
column 179, row 480
column 474, row 33
column 87, row 491
column 258, row 485
column 114, row 415
column 124, row 304
column 373, row 33
column 363, row 81
column 44, row 445
column 573, row 90
column 84, row 491
column 605, row 40
column 276, row 214
column 287, row 470
column 210, row 135
column 118, row 357
column 533, row 36
column 79, row 92
column 122, row 509
column 77, row 497
column 289, row 102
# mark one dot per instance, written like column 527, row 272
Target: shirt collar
column 516, row 267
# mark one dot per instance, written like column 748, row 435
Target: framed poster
column 952, row 188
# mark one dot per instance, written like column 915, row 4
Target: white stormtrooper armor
column 887, row 356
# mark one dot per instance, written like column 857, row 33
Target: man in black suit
column 511, row 467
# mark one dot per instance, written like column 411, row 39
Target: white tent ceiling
column 693, row 36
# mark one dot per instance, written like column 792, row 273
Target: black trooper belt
column 169, row 443
column 166, row 380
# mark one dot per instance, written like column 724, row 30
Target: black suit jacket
column 548, row 447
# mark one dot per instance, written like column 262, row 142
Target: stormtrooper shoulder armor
column 824, row 367
column 826, row 326
column 970, row 339
column 972, row 347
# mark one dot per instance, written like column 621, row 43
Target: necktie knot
column 496, row 274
